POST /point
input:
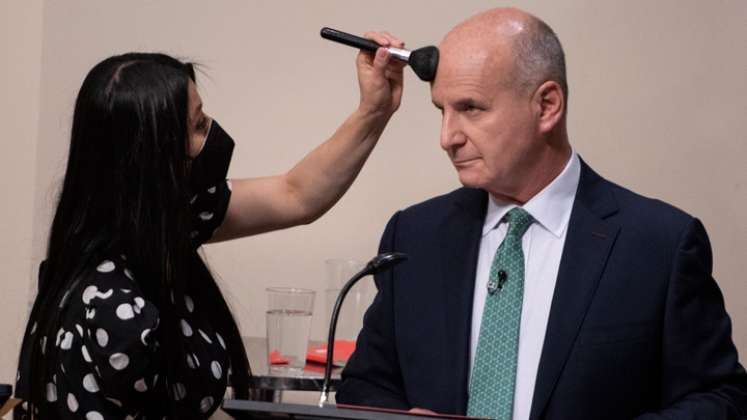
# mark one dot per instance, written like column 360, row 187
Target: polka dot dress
column 107, row 354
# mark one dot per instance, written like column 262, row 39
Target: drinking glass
column 289, row 313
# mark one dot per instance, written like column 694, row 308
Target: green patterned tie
column 491, row 388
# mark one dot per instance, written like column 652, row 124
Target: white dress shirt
column 543, row 246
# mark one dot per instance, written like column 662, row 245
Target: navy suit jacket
column 637, row 326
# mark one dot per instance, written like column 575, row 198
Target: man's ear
column 550, row 105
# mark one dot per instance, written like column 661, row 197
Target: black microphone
column 424, row 61
column 378, row 264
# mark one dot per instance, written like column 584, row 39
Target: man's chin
column 469, row 180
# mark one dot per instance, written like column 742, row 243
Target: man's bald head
column 501, row 89
column 528, row 47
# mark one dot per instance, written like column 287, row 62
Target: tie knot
column 518, row 222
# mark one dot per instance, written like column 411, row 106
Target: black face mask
column 210, row 166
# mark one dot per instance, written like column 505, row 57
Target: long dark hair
column 126, row 191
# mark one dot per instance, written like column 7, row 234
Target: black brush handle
column 349, row 39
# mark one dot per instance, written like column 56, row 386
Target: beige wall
column 20, row 65
column 657, row 104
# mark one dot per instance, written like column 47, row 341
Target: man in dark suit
column 540, row 290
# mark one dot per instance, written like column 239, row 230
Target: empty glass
column 339, row 271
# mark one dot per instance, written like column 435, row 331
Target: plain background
column 657, row 104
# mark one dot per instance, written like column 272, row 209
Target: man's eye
column 469, row 106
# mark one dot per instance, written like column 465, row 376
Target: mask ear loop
column 207, row 136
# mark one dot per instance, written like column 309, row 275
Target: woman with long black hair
column 128, row 321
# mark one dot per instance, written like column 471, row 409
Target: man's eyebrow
column 467, row 101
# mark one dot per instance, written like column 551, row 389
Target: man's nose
column 451, row 132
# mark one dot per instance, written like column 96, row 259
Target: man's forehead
column 467, row 70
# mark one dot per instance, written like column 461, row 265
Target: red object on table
column 277, row 359
column 342, row 351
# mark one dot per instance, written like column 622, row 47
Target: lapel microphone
column 424, row 61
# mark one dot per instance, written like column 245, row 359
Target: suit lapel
column 588, row 243
column 461, row 233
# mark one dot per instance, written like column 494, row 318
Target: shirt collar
column 550, row 208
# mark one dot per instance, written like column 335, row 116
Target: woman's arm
column 315, row 183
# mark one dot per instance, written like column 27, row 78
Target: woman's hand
column 315, row 183
column 380, row 76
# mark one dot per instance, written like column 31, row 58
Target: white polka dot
column 89, row 293
column 94, row 415
column 124, row 312
column 67, row 341
column 128, row 273
column 196, row 359
column 126, row 291
column 140, row 302
column 18, row 376
column 180, row 391
column 144, row 336
column 106, row 267
column 33, row 329
column 59, row 336
column 220, row 340
column 51, row 392
column 119, row 361
column 140, row 385
column 118, row 403
column 106, row 295
column 90, row 313
column 193, row 199
column 43, row 344
column 80, row 330
column 155, row 379
column 206, row 215
column 191, row 362
column 136, row 309
column 217, row 370
column 90, row 384
column 86, row 355
column 189, row 303
column 205, row 336
column 72, row 403
column 206, row 404
column 54, row 378
column 211, row 190
column 62, row 368
column 186, row 329
column 102, row 337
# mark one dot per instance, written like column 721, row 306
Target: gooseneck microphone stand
column 379, row 263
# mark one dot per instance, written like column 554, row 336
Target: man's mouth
column 462, row 162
